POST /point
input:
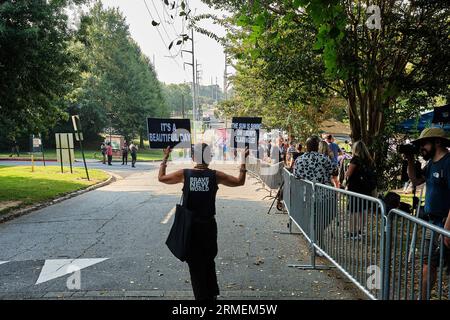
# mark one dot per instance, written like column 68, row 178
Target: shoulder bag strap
column 185, row 193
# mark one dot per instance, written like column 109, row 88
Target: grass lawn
column 143, row 155
column 21, row 187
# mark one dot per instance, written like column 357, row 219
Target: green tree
column 174, row 95
column 119, row 88
column 374, row 70
column 36, row 65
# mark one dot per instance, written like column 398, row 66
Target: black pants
column 125, row 158
column 201, row 260
column 133, row 159
column 109, row 160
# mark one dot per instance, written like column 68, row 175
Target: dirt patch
column 332, row 126
column 9, row 204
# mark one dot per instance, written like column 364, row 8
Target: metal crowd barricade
column 286, row 175
column 385, row 256
column 407, row 271
column 301, row 202
column 348, row 229
column 270, row 175
column 298, row 198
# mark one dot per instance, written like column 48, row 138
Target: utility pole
column 225, row 79
column 217, row 91
column 212, row 89
column 198, row 79
column 192, row 64
column 182, row 105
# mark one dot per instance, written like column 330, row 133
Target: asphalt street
column 109, row 244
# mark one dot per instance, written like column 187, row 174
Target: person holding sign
column 200, row 188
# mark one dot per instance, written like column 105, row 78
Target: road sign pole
column 79, row 136
column 84, row 159
column 70, row 153
column 32, row 162
column 42, row 150
column 60, row 153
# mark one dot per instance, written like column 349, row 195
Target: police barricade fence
column 417, row 261
column 270, row 175
column 298, row 198
column 383, row 254
column 349, row 230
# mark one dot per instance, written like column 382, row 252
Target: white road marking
column 169, row 215
column 3, row 262
column 53, row 269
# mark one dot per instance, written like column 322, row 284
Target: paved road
column 115, row 236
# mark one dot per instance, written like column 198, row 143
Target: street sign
column 36, row 144
column 245, row 132
column 64, row 149
column 77, row 128
column 163, row 133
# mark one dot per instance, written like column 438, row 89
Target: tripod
column 277, row 198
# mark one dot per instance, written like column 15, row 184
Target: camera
column 408, row 149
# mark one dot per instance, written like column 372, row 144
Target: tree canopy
column 36, row 65
column 50, row 71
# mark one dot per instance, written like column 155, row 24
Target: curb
column 21, row 212
column 27, row 160
column 76, row 160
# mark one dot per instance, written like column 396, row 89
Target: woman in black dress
column 361, row 178
column 200, row 188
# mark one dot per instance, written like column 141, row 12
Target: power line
column 162, row 38
column 151, row 16
column 161, row 20
column 170, row 16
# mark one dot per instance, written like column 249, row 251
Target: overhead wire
column 162, row 38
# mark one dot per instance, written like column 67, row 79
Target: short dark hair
column 329, row 137
column 312, row 144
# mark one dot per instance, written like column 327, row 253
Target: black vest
column 200, row 189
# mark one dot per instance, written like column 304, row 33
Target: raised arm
column 230, row 181
column 412, row 174
column 171, row 178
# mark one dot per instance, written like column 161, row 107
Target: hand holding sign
column 245, row 153
column 167, row 152
column 245, row 132
column 174, row 133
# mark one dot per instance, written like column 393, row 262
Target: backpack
column 364, row 180
column 369, row 179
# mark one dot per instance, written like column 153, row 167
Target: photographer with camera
column 432, row 146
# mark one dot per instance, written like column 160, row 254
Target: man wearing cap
column 432, row 145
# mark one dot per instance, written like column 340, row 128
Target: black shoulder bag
column 179, row 237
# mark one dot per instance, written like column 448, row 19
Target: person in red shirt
column 109, row 152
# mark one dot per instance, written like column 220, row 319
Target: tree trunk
column 141, row 141
column 355, row 122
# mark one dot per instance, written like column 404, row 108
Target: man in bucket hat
column 432, row 145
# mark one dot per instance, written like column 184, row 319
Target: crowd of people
column 353, row 168
column 319, row 160
column 107, row 153
column 321, row 155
